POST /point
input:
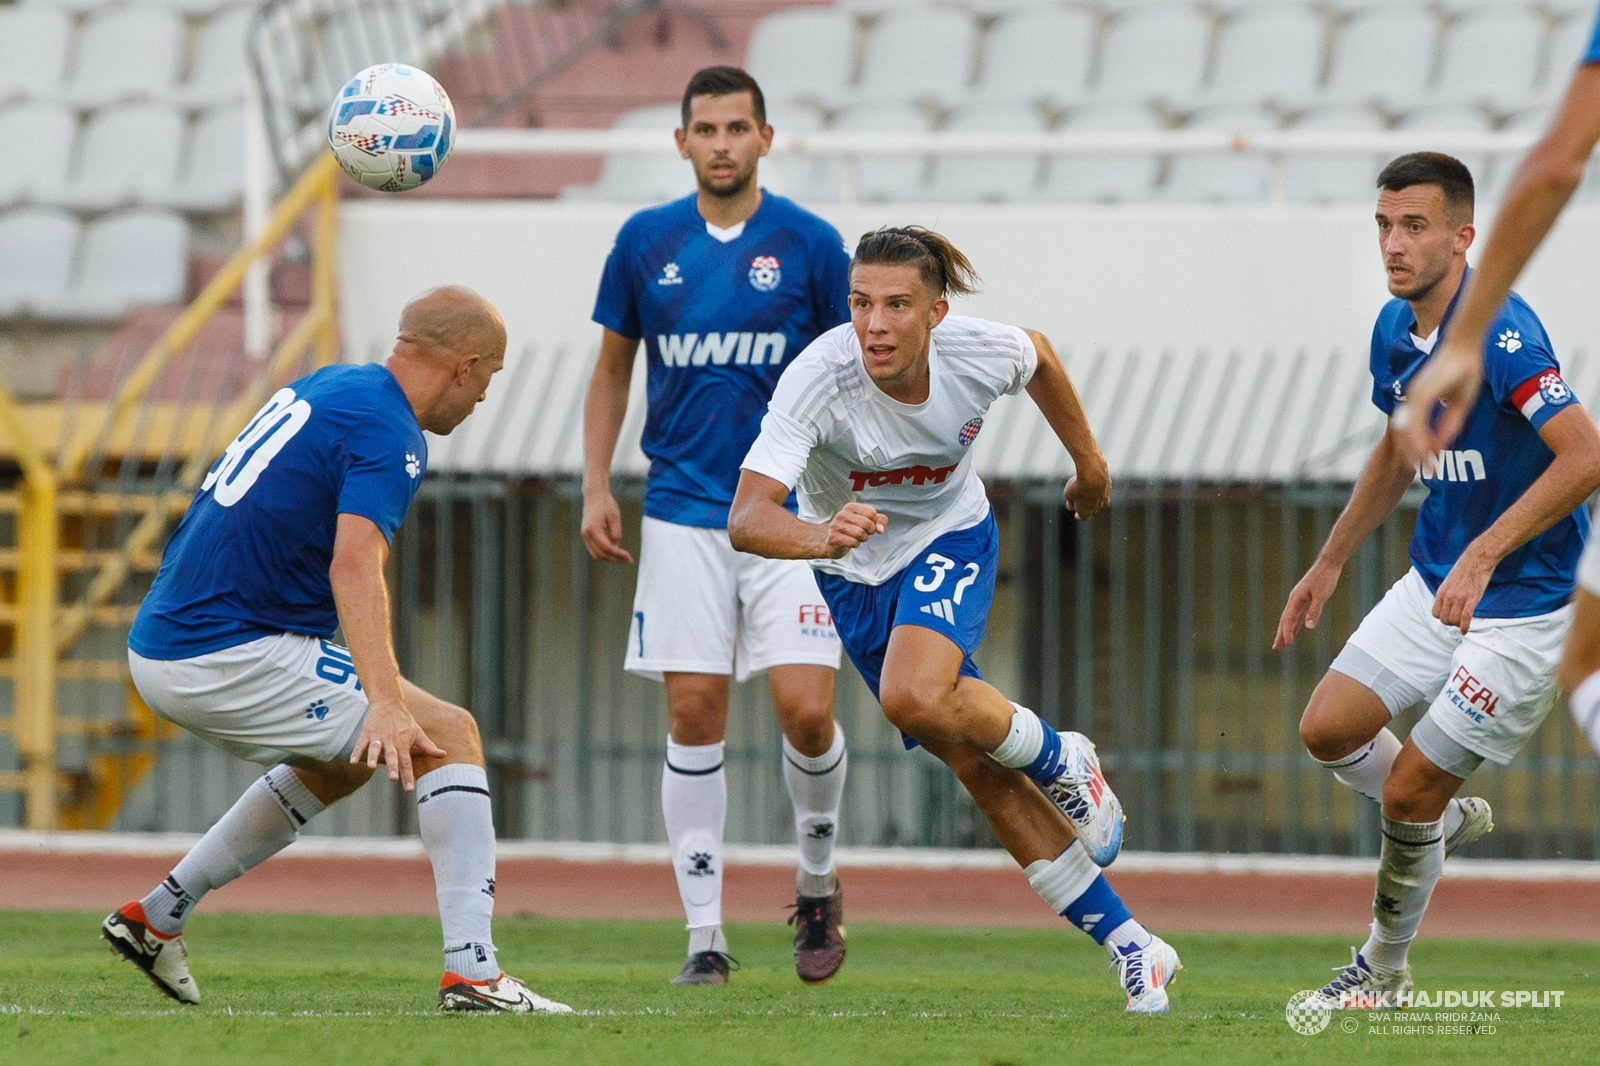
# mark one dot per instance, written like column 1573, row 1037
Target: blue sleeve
column 385, row 466
column 615, row 307
column 830, row 295
column 1519, row 368
column 1593, row 53
column 1382, row 399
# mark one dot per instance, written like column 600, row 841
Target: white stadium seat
column 124, row 54
column 996, row 177
column 130, row 153
column 804, row 178
column 887, row 178
column 1327, row 178
column 921, row 54
column 634, row 177
column 33, row 51
column 1493, row 57
column 1387, row 54
column 1156, row 53
column 1223, row 177
column 36, row 255
column 1273, row 54
column 135, row 257
column 1035, row 55
column 212, row 177
column 48, row 131
column 220, row 64
column 1453, row 118
column 803, row 56
column 1112, row 178
column 73, row 7
column 1567, row 47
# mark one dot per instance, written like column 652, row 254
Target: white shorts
column 703, row 608
column 1487, row 691
column 281, row 697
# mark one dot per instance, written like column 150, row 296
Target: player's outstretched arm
column 760, row 524
column 1541, row 187
column 604, row 407
column 1570, row 478
column 1088, row 490
column 362, row 598
column 1379, row 489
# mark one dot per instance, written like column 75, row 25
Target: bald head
column 452, row 341
column 453, row 320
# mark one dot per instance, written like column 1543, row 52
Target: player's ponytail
column 944, row 269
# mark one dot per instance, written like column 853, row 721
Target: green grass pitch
column 328, row 991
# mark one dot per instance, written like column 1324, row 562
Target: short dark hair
column 943, row 268
column 1431, row 168
column 724, row 81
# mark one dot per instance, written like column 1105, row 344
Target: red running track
column 1225, row 902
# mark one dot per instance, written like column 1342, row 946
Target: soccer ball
column 391, row 127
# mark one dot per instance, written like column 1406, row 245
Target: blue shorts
column 948, row 590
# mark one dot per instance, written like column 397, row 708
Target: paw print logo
column 1511, row 340
column 700, row 864
column 317, row 710
column 413, row 466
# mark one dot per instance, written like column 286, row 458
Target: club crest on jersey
column 1553, row 389
column 765, row 273
column 669, row 275
column 969, row 432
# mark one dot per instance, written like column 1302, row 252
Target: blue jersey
column 1497, row 456
column 720, row 320
column 1593, row 54
column 251, row 556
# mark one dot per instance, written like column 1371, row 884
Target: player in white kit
column 874, row 422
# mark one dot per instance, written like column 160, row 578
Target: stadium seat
column 1039, row 55
column 803, row 178
column 72, row 7
column 212, row 177
column 1492, row 57
column 1223, row 177
column 919, row 54
column 1567, row 46
column 48, row 131
column 634, row 177
column 359, row 37
column 130, row 153
column 886, row 178
column 135, row 257
column 36, row 253
column 1154, row 54
column 1453, row 118
column 1325, row 178
column 805, row 55
column 220, row 64
column 33, row 51
column 1000, row 177
column 1274, row 54
column 125, row 54
column 1119, row 178
column 1384, row 54
column 197, row 8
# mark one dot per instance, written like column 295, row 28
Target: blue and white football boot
column 1361, row 986
column 1145, row 973
column 1080, row 790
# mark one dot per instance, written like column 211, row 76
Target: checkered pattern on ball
column 1305, row 1013
column 391, row 127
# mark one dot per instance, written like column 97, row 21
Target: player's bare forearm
column 759, row 523
column 1378, row 491
column 605, row 405
column 1570, row 479
column 1057, row 398
column 362, row 598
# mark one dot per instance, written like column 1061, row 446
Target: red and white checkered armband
column 1544, row 389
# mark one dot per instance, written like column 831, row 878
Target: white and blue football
column 391, row 127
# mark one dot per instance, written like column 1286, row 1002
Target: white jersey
column 833, row 433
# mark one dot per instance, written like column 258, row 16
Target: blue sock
column 1098, row 911
column 1047, row 764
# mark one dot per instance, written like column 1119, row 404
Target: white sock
column 1585, row 704
column 1413, row 856
column 707, row 938
column 816, row 787
column 1064, row 879
column 694, row 804
column 261, row 823
column 1030, row 746
column 1452, row 819
column 1367, row 768
column 1130, row 934
column 457, row 826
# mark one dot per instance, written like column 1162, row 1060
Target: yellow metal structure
column 45, row 631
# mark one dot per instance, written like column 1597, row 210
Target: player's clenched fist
column 1089, row 490
column 602, row 529
column 851, row 527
